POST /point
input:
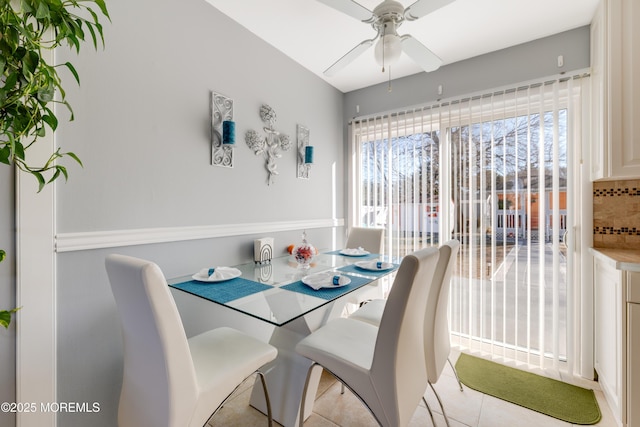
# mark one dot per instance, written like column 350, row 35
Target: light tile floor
column 468, row 408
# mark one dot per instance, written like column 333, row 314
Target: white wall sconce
column 305, row 153
column 222, row 130
column 270, row 146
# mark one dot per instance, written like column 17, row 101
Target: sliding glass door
column 492, row 171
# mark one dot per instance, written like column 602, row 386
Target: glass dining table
column 275, row 302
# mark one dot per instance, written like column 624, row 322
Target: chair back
column 159, row 383
column 398, row 362
column 437, row 344
column 369, row 239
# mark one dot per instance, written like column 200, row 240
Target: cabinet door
column 623, row 56
column 633, row 367
column 608, row 330
column 615, row 90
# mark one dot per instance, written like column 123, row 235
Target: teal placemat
column 328, row 293
column 222, row 292
column 357, row 270
column 370, row 256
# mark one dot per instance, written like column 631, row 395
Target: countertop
column 621, row 259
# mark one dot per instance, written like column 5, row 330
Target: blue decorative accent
column 308, row 154
column 328, row 293
column 228, row 132
column 222, row 292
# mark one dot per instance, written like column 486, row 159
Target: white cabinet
column 615, row 90
column 599, row 155
column 608, row 333
column 617, row 338
column 633, row 349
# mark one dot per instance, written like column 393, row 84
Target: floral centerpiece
column 304, row 252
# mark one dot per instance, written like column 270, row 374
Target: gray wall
column 142, row 124
column 142, row 132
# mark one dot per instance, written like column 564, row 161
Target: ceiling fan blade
column 427, row 60
column 348, row 58
column 424, row 7
column 351, row 8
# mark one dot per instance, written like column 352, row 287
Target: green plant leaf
column 5, row 316
column 11, row 81
column 43, row 11
column 30, row 62
column 103, row 8
column 18, row 150
column 26, row 7
column 3, row 254
column 20, row 52
column 5, row 155
column 74, row 157
column 93, row 35
column 56, row 174
column 46, row 94
column 51, row 120
column 73, row 71
column 40, row 178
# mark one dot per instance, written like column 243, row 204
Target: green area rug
column 566, row 402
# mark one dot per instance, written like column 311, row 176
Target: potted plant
column 28, row 83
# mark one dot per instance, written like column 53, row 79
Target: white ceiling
column 316, row 35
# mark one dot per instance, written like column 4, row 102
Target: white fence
column 424, row 218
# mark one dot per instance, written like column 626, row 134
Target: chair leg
column 455, row 373
column 446, row 419
column 304, row 394
column 306, row 386
column 266, row 398
column 429, row 409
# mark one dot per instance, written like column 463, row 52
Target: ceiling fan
column 385, row 19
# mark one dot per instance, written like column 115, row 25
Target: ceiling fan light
column 388, row 49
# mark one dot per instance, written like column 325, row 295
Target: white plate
column 372, row 265
column 353, row 252
column 322, row 280
column 230, row 273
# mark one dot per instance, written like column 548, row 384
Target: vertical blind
column 494, row 172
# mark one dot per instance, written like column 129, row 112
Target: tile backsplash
column 616, row 214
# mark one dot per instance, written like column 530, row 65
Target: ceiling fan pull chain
column 383, row 46
column 389, row 88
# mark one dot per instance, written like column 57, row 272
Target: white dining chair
column 169, row 380
column 437, row 344
column 369, row 239
column 384, row 366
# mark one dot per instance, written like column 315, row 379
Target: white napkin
column 375, row 265
column 219, row 273
column 357, row 251
column 323, row 280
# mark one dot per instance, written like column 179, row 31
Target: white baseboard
column 69, row 242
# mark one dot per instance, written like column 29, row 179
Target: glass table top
column 273, row 292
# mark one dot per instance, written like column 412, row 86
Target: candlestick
column 308, row 154
column 228, row 132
